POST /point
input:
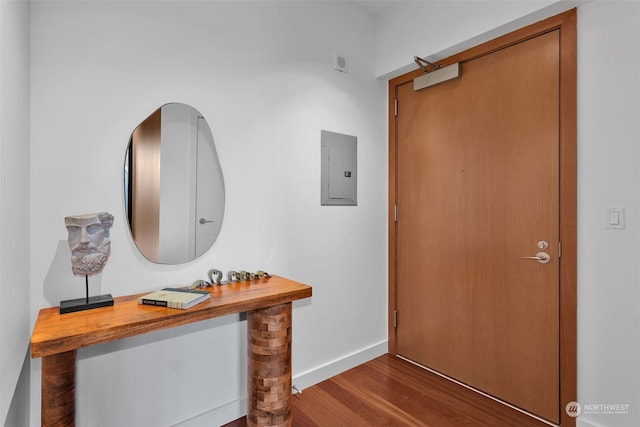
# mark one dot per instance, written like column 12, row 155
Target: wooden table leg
column 59, row 389
column 269, row 366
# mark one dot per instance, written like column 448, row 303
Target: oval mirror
column 173, row 185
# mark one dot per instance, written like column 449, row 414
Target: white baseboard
column 238, row 408
column 333, row 368
column 218, row 416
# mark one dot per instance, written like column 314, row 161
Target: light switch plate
column 615, row 218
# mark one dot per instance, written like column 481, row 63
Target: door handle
column 204, row 221
column 541, row 257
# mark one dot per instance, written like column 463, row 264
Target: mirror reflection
column 173, row 185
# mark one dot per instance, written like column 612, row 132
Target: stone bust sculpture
column 89, row 242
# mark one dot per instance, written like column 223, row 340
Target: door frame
column 566, row 24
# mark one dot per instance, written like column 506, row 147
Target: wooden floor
column 389, row 391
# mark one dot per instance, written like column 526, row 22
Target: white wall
column 261, row 74
column 608, row 176
column 14, row 200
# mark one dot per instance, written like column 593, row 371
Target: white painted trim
column 218, row 416
column 337, row 366
column 238, row 408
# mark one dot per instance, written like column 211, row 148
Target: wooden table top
column 56, row 333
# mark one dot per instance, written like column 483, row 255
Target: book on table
column 174, row 298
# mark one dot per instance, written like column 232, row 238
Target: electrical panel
column 339, row 169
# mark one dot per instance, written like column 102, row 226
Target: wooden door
column 477, row 188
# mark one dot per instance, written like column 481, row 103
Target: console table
column 56, row 338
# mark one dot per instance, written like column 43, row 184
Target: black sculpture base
column 80, row 304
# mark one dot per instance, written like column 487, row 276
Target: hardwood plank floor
column 389, row 391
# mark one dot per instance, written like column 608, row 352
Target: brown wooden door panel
column 477, row 181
